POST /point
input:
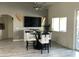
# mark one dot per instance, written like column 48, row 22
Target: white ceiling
column 43, row 5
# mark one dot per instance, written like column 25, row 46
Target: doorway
column 7, row 32
column 77, row 30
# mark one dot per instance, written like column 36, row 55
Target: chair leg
column 50, row 42
column 27, row 45
column 41, row 49
column 48, row 48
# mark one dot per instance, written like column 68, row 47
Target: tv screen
column 32, row 21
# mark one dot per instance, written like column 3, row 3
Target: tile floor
column 9, row 48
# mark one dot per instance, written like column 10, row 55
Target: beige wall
column 66, row 39
column 10, row 27
column 22, row 9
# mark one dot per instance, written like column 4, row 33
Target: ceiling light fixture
column 37, row 6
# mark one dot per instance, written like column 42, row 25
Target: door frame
column 75, row 29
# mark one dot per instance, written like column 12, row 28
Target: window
column 55, row 24
column 59, row 24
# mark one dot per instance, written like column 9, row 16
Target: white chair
column 44, row 41
column 29, row 37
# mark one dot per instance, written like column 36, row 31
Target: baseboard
column 5, row 38
column 64, row 46
column 18, row 39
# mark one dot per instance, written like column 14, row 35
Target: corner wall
column 66, row 39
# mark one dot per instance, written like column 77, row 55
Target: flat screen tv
column 32, row 21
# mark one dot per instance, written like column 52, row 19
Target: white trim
column 18, row 39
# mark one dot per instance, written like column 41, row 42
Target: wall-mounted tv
column 32, row 21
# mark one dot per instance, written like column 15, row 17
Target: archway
column 7, row 31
